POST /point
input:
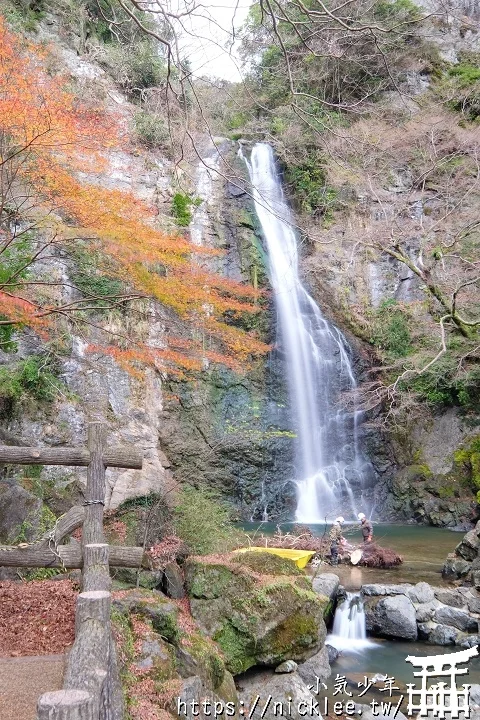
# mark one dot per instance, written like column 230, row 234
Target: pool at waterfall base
column 371, row 669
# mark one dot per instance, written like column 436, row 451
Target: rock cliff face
column 233, row 432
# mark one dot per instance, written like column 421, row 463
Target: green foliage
column 32, row 378
column 24, row 14
column 91, row 280
column 150, row 129
column 181, row 208
column 135, row 67
column 308, row 186
column 398, row 11
column 202, row 520
column 97, row 285
column 459, row 86
column 441, row 385
column 469, row 456
column 391, row 332
column 14, row 262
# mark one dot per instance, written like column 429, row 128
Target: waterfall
column 330, row 469
column 349, row 629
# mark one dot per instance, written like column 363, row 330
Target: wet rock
column 425, row 611
column 422, row 592
column 333, row 653
column 392, row 617
column 173, row 582
column 443, row 635
column 455, row 568
column 425, row 629
column 456, row 618
column 326, row 584
column 288, row 666
column 470, row 641
column 469, row 546
column 281, row 688
column 473, row 602
column 377, row 589
column 450, row 597
column 315, row 667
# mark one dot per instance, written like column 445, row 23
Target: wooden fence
column 91, row 689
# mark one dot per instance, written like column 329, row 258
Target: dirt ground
column 23, row 680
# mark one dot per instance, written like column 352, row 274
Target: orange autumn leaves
column 48, row 140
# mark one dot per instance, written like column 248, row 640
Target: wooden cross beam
column 96, row 457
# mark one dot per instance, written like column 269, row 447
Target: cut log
column 115, row 457
column 88, row 661
column 68, row 556
column 96, row 573
column 65, row 705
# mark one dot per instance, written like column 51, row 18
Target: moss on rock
column 256, row 619
column 267, row 563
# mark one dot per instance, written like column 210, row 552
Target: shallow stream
column 424, row 550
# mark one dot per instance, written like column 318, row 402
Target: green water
column 423, row 549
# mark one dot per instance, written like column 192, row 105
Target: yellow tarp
column 299, row 557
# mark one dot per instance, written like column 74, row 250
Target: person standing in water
column 366, row 528
column 336, row 538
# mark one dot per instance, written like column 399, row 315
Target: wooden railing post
column 95, row 494
column 96, row 573
column 88, row 661
column 65, row 705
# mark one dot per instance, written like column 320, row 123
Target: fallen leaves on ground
column 37, row 617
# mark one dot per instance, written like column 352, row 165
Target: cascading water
column 330, row 469
column 349, row 627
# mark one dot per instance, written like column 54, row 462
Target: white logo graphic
column 441, row 698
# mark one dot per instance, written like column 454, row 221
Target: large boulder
column 289, row 690
column 455, row 568
column 468, row 547
column 422, row 592
column 450, row 597
column 443, row 635
column 425, row 611
column 326, row 584
column 391, row 617
column 316, row 669
column 162, row 648
column 377, row 589
column 454, row 617
column 256, row 619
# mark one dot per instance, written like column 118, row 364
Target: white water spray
column 330, row 469
column 349, row 627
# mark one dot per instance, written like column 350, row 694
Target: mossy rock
column 155, row 607
column 254, row 618
column 211, row 580
column 267, row 563
column 198, row 655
